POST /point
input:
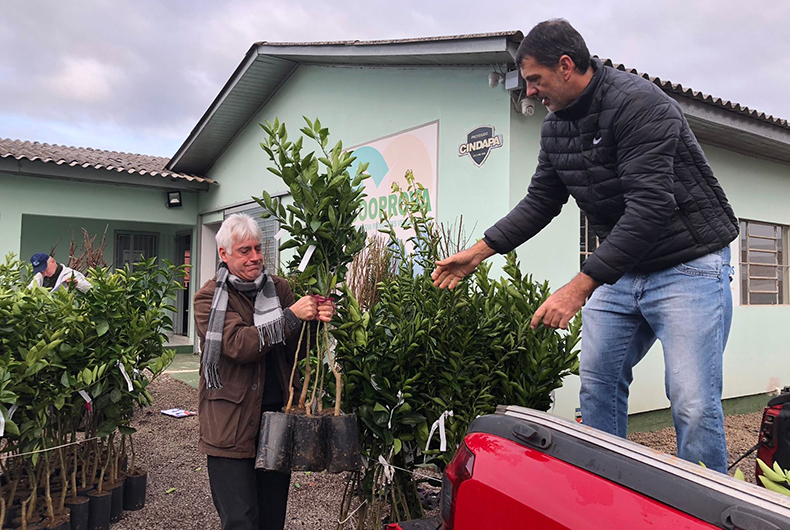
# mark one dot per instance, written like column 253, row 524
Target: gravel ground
column 741, row 431
column 167, row 448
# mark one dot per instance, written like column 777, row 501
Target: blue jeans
column 689, row 309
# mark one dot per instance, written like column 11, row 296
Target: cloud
column 84, row 80
column 147, row 70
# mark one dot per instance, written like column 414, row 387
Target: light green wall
column 363, row 104
column 25, row 195
column 40, row 233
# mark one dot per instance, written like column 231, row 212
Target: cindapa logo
column 479, row 143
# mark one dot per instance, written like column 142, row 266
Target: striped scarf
column 268, row 318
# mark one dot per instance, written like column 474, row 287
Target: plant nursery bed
column 167, row 448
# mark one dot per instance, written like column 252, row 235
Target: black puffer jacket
column 625, row 152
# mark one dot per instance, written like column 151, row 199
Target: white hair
column 237, row 227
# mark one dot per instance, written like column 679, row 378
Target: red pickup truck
column 520, row 468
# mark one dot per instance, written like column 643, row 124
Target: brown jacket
column 230, row 416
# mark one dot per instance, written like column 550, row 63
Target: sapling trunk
column 47, row 490
column 306, row 386
column 101, row 475
column 74, row 473
column 33, row 489
column 23, row 514
column 2, row 512
column 317, row 376
column 335, row 371
column 17, row 476
column 111, row 459
column 293, row 370
column 131, row 450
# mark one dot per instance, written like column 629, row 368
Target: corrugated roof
column 87, row 157
column 677, row 88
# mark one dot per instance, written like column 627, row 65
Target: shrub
column 421, row 351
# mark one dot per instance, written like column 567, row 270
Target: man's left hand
column 563, row 305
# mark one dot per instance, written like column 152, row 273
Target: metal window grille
column 133, row 247
column 764, row 268
column 588, row 241
column 270, row 227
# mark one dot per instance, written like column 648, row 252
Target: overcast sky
column 136, row 75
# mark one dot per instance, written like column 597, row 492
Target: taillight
column 459, row 469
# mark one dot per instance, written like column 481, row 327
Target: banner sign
column 388, row 160
column 479, row 144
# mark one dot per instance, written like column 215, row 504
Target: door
column 183, row 257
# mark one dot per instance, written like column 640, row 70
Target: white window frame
column 588, row 241
column 761, row 250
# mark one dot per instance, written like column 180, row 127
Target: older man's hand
column 313, row 308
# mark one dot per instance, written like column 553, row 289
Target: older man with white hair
column 248, row 324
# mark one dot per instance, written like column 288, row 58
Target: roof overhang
column 40, row 169
column 736, row 132
column 268, row 65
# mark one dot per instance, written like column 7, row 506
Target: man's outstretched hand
column 450, row 271
column 562, row 306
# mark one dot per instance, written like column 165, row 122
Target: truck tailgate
column 533, row 470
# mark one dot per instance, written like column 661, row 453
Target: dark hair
column 550, row 40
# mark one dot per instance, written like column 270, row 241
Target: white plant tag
column 279, row 235
column 12, row 410
column 388, row 471
column 306, row 258
column 442, row 434
column 129, row 384
column 2, row 424
column 87, row 399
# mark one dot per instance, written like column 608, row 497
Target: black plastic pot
column 116, row 504
column 308, row 451
column 134, row 490
column 342, row 443
column 80, row 508
column 99, row 510
column 274, row 442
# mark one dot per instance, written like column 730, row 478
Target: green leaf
column 102, row 327
column 127, row 430
column 11, row 428
column 168, row 491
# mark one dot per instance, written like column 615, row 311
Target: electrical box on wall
column 513, row 80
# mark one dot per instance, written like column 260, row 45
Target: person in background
column 248, row 325
column 50, row 274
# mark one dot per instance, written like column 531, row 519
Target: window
column 269, row 227
column 588, row 241
column 133, row 247
column 763, row 263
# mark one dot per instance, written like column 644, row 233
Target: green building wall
column 363, row 104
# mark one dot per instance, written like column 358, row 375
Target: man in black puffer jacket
column 623, row 149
